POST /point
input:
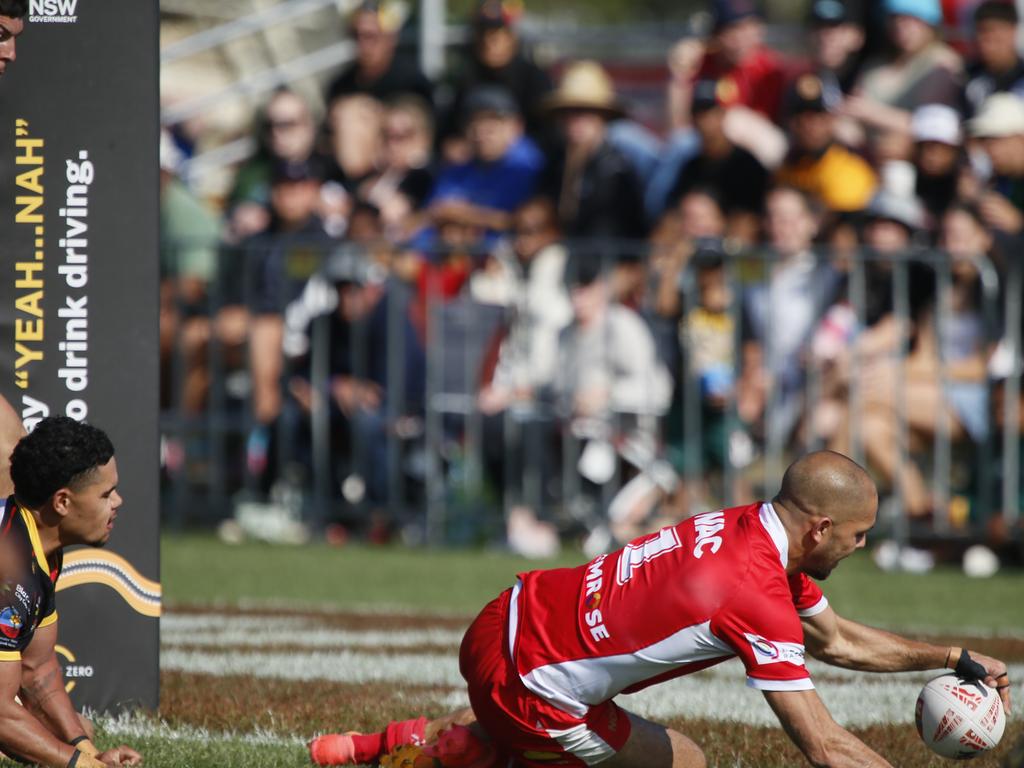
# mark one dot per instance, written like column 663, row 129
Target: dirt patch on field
column 244, row 704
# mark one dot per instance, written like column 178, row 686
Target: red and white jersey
column 665, row 605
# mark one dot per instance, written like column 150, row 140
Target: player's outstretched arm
column 844, row 643
column 823, row 741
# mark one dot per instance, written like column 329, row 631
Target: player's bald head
column 828, row 484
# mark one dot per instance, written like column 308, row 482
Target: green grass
column 200, row 569
column 158, row 751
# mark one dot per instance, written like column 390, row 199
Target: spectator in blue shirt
column 503, row 172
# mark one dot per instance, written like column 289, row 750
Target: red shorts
column 524, row 726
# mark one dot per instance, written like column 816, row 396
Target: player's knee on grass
column 651, row 745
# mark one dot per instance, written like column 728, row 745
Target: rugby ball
column 959, row 719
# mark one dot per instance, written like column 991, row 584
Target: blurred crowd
column 583, row 267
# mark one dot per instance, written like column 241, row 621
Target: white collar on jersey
column 772, row 524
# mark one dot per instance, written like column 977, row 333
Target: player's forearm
column 43, row 693
column 26, row 737
column 823, row 742
column 869, row 649
column 844, row 750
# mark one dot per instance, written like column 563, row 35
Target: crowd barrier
column 412, row 445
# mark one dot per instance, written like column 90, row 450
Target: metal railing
column 380, row 385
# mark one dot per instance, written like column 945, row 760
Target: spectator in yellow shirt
column 817, row 164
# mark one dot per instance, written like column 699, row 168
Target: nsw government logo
column 53, row 11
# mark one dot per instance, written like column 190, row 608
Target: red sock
column 405, row 732
column 368, row 748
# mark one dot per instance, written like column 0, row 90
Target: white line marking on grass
column 129, row 726
column 305, row 635
column 342, row 666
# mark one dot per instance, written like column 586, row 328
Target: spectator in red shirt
column 749, row 73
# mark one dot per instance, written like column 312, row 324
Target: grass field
column 264, row 647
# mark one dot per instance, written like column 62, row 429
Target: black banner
column 79, row 115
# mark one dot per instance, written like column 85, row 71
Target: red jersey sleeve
column 761, row 625
column 807, row 596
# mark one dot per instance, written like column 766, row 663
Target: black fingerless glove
column 968, row 669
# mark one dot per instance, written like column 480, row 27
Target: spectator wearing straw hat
column 999, row 127
column 998, row 68
column 377, row 70
column 596, row 189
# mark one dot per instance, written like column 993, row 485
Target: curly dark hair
column 59, row 453
column 15, row 9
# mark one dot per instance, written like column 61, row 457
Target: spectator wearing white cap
column 999, row 127
column 998, row 67
column 938, row 156
column 921, row 69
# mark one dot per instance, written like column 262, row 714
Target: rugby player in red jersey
column 544, row 660
column 64, row 492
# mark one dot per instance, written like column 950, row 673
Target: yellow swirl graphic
column 67, row 654
column 90, row 566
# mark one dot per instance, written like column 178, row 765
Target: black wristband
column 968, row 669
column 78, row 740
column 74, row 759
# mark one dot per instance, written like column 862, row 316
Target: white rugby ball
column 959, row 719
